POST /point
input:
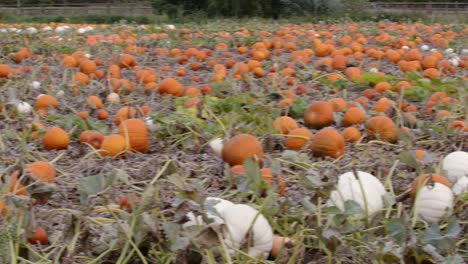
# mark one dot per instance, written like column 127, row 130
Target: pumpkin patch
column 233, row 142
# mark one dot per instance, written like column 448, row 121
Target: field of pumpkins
column 234, row 142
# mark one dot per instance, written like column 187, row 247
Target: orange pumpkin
column 354, row 116
column 42, row 171
column 112, row 145
column 267, row 175
column 171, row 86
column 382, row 128
column 241, row 147
column 94, row 102
column 339, row 104
column 146, row 76
column 35, row 129
column 285, row 124
column 351, row 134
column 384, row 105
column 136, row 132
column 124, row 113
column 88, row 66
column 127, row 61
column 16, row 187
column 298, row 138
column 45, row 101
column 319, row 114
column 55, row 138
column 92, row 138
column 328, row 142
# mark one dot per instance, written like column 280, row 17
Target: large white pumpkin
column 456, row 165
column 350, row 188
column 433, row 203
column 241, row 218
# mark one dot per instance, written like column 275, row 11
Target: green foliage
column 89, row 19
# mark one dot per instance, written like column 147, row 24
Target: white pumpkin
column 24, row 107
column 349, row 188
column 461, row 186
column 113, row 98
column 456, row 165
column 150, row 124
column 35, row 84
column 31, row 30
column 217, row 146
column 424, row 48
column 218, row 204
column 239, row 219
column 433, row 203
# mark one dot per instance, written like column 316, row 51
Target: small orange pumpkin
column 351, row 134
column 171, row 86
column 285, row 124
column 55, row 138
column 112, row 145
column 124, row 113
column 42, row 171
column 328, row 142
column 136, row 132
column 93, row 138
column 354, row 116
column 45, row 101
column 94, row 102
column 241, row 147
column 298, row 138
column 319, row 114
column 382, row 128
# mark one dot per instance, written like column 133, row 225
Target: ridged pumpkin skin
column 42, row 171
column 124, row 113
column 285, row 124
column 137, row 134
column 328, row 142
column 319, row 115
column 55, row 138
column 351, row 134
column 112, row 145
column 171, row 86
column 296, row 139
column 382, row 128
column 241, row 147
column 354, row 116
column 422, row 180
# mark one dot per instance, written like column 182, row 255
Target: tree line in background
column 203, row 3
column 48, row 2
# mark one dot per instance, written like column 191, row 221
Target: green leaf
column 299, row 107
column 310, row 207
column 252, row 170
column 445, row 242
column 456, row 259
column 352, row 207
column 397, row 230
column 409, row 159
column 93, row 185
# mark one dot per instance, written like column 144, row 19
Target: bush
column 90, row 19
